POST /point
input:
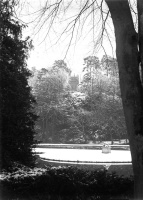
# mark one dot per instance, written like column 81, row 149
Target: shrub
column 67, row 181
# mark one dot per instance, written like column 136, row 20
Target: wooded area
column 91, row 113
column 97, row 116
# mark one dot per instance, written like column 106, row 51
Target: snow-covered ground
column 85, row 155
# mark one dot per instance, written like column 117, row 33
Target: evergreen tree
column 17, row 135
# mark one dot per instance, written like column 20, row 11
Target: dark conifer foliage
column 17, row 103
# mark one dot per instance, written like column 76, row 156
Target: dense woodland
column 92, row 112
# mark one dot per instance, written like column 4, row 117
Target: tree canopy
column 70, row 116
column 17, row 111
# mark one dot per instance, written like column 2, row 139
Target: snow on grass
column 22, row 173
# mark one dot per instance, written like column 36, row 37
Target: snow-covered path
column 85, row 155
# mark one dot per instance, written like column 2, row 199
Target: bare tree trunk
column 0, row 120
column 130, row 85
column 1, row 30
column 140, row 34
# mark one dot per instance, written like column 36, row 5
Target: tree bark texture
column 1, row 29
column 128, row 52
column 140, row 34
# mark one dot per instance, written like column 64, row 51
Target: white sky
column 47, row 50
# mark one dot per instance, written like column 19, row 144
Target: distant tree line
column 92, row 114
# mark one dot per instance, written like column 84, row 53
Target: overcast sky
column 47, row 47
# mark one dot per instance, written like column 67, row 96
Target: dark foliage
column 68, row 181
column 17, row 113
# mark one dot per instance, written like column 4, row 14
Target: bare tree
column 127, row 18
column 129, row 56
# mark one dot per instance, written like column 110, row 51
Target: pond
column 84, row 155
